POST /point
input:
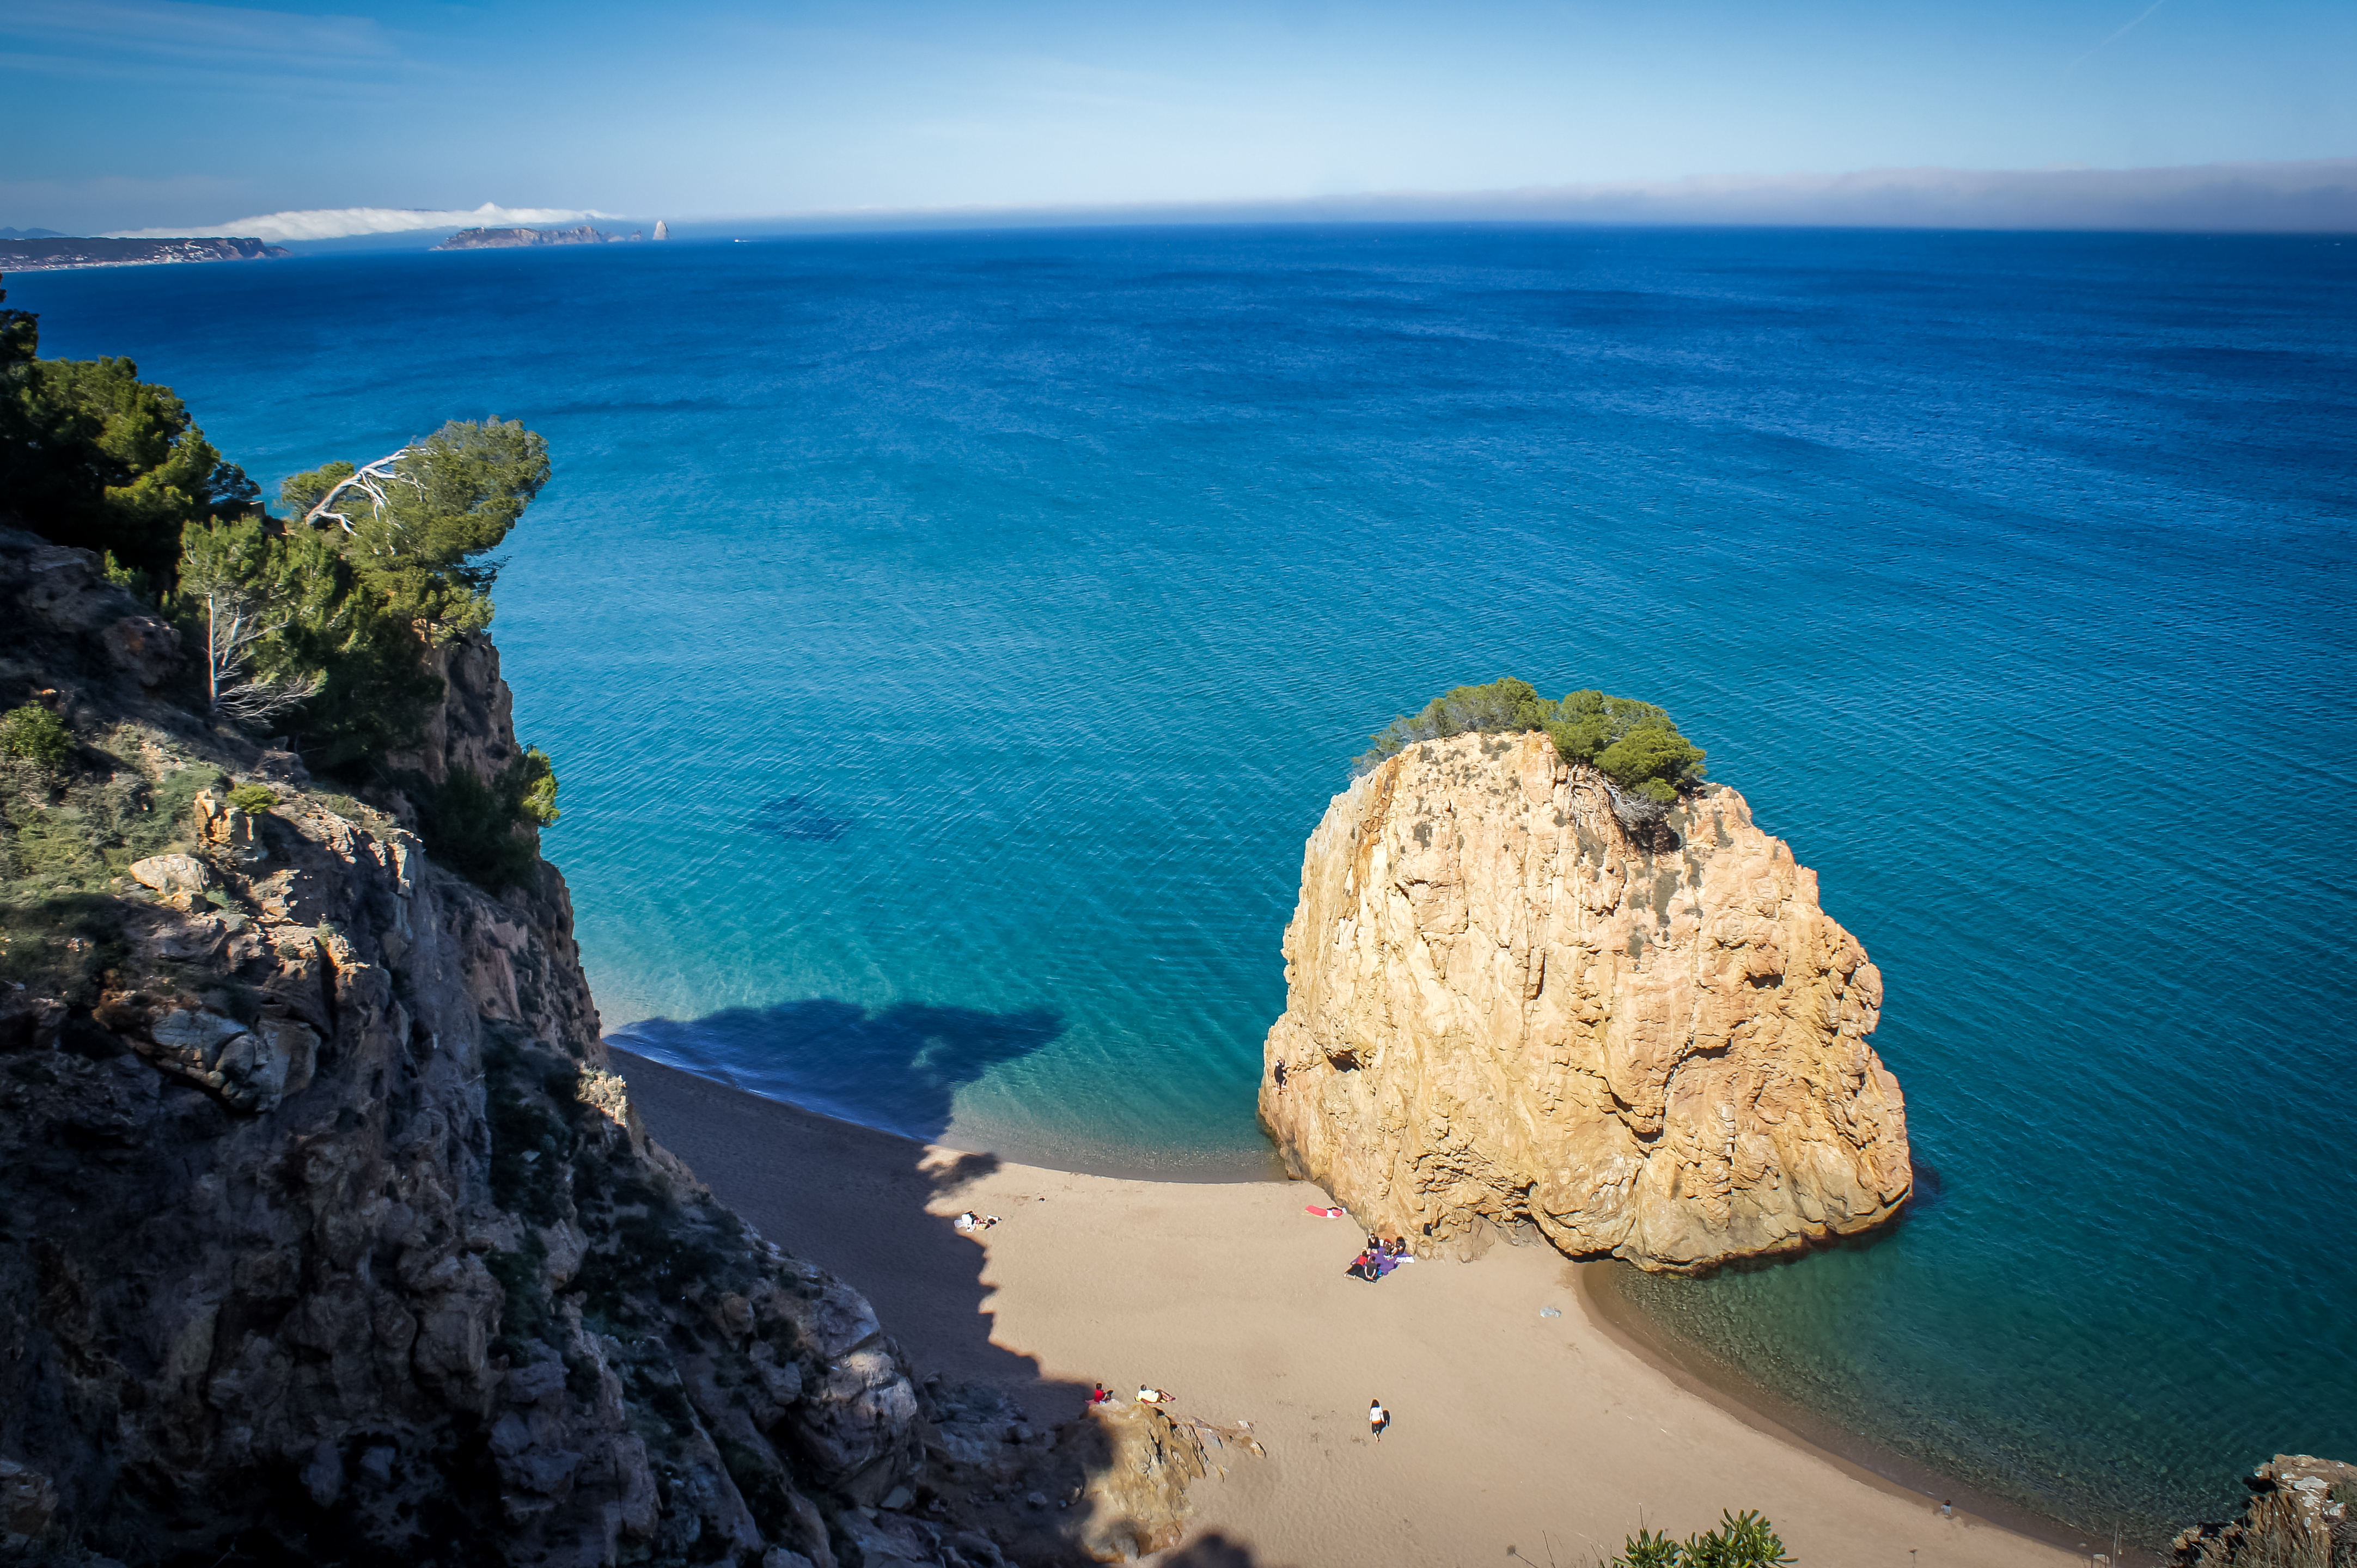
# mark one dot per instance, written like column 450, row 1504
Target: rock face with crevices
column 2302, row 1513
column 324, row 1233
column 1504, row 1012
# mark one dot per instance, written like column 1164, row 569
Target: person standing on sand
column 1377, row 1419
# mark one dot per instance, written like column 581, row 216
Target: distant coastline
column 58, row 254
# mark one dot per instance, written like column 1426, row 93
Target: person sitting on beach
column 1102, row 1395
column 1146, row 1395
column 966, row 1221
column 1386, row 1260
column 1360, row 1268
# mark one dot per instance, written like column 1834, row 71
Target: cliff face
column 1502, row 1010
column 324, row 1232
column 2300, row 1516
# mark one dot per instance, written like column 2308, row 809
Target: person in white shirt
column 1377, row 1418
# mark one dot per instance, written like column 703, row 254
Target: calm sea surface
column 946, row 643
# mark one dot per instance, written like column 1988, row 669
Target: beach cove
column 1515, row 1434
column 946, row 643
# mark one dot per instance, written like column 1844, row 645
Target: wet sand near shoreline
column 1515, row 1436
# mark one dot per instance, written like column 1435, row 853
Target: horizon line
column 2307, row 196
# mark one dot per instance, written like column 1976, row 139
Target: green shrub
column 254, row 798
column 1635, row 745
column 1741, row 1540
column 538, row 800
column 35, row 734
column 479, row 828
column 98, row 459
column 139, row 585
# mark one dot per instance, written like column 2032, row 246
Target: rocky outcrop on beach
column 325, row 1233
column 1506, row 1014
column 2302, row 1514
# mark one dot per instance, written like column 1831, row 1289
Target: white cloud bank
column 2315, row 197
column 2319, row 196
column 343, row 222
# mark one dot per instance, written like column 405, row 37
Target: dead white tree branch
column 370, row 479
column 235, row 622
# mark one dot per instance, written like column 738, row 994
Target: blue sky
column 119, row 113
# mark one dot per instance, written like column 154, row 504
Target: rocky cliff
column 326, row 1235
column 2302, row 1514
column 1504, row 1013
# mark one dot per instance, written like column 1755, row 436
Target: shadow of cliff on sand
column 1212, row 1550
column 853, row 1201
column 896, row 1068
column 875, row 1211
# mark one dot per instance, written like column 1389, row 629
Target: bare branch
column 370, row 479
column 236, row 620
column 249, row 704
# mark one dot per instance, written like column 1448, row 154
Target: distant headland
column 54, row 253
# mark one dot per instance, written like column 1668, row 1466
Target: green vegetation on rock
column 417, row 523
column 35, row 734
column 93, row 457
column 78, row 831
column 322, row 626
column 1741, row 1540
column 471, row 825
column 1634, row 743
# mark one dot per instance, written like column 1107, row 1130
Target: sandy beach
column 1515, row 1436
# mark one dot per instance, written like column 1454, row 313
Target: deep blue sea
column 947, row 641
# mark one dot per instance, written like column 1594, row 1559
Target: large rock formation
column 325, row 1233
column 1505, row 1013
column 2302, row 1514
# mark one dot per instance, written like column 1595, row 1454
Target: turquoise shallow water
column 946, row 643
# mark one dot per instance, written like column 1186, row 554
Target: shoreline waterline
column 1218, row 1170
column 1613, row 1316
column 1694, row 1368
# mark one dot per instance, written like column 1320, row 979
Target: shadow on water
column 897, row 1068
column 875, row 1211
column 798, row 817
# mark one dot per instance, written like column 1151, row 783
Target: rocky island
column 503, row 238
column 1512, row 1006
